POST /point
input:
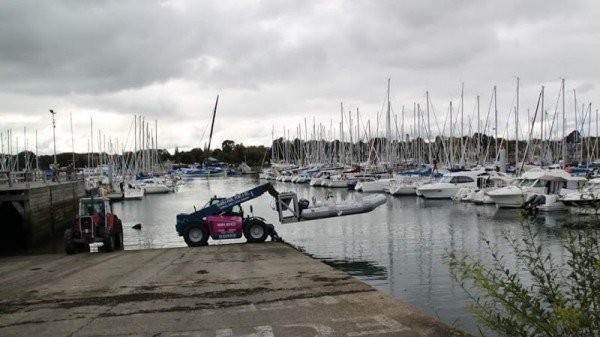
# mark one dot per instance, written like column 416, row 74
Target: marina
column 397, row 248
column 437, row 166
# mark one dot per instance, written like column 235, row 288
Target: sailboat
column 208, row 171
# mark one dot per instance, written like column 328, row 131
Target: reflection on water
column 365, row 269
column 397, row 248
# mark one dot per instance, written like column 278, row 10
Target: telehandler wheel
column 196, row 234
column 256, row 231
column 68, row 240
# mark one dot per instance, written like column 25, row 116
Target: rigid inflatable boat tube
column 367, row 204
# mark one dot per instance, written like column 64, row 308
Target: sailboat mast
column 577, row 128
column 72, row 141
column 351, row 149
column 428, row 128
column 92, row 141
column 359, row 152
column 543, row 152
column 419, row 138
column 462, row 124
column 589, row 142
column 402, row 139
column 388, row 133
column 564, row 126
column 451, row 137
column 517, row 126
column 496, row 123
column 341, row 149
column 212, row 126
column 478, row 133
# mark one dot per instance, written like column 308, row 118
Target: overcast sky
column 275, row 64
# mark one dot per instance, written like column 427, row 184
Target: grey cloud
column 283, row 60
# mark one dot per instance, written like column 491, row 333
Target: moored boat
column 538, row 182
column 450, row 183
column 586, row 201
column 133, row 192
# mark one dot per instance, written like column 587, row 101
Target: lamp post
column 54, row 132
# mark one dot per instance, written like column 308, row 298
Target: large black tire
column 119, row 235
column 256, row 231
column 68, row 240
column 109, row 241
column 196, row 234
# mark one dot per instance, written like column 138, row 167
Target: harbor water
column 398, row 248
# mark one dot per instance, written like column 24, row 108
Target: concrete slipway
column 232, row 290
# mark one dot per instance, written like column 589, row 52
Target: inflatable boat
column 342, row 208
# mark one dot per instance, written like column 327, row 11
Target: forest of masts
column 543, row 140
column 139, row 153
column 457, row 141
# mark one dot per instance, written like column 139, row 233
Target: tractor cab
column 94, row 223
column 95, row 210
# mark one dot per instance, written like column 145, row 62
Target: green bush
column 535, row 295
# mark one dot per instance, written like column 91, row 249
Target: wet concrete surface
column 250, row 290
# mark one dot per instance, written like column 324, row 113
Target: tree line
column 230, row 152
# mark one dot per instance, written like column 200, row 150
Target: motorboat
column 322, row 177
column 449, row 184
column 491, row 183
column 203, row 172
column 303, row 178
column 586, row 201
column 339, row 181
column 133, row 192
column 538, row 182
column 153, row 186
column 485, row 182
column 267, row 174
column 407, row 185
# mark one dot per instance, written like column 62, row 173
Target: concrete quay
column 231, row 290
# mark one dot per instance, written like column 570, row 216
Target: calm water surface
column 397, row 248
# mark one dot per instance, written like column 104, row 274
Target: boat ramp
column 250, row 290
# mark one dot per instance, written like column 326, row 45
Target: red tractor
column 95, row 223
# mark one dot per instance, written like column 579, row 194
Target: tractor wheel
column 109, row 241
column 256, row 231
column 196, row 234
column 119, row 235
column 68, row 240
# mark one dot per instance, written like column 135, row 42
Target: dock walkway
column 231, row 290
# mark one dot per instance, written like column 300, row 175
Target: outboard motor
column 303, row 204
column 532, row 202
column 540, row 199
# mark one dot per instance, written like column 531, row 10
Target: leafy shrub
column 540, row 297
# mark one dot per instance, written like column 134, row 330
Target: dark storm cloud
column 73, row 46
column 281, row 61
